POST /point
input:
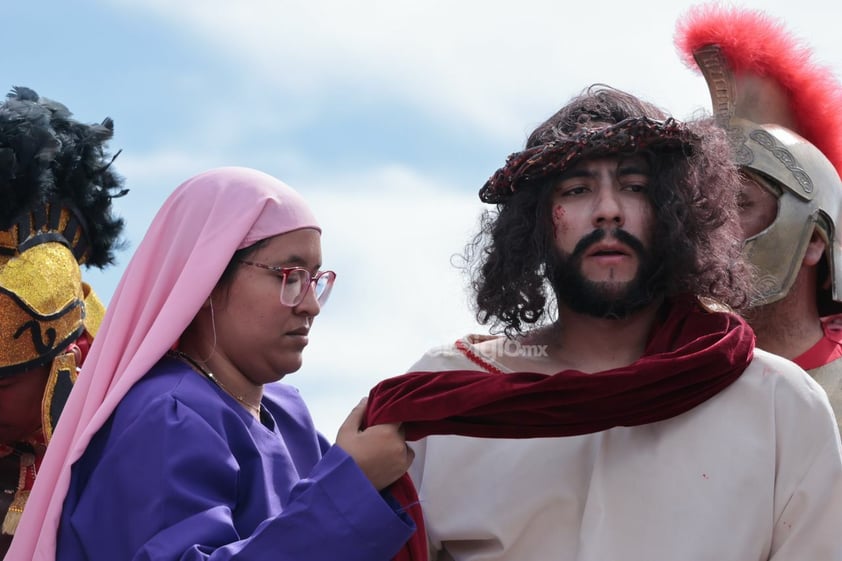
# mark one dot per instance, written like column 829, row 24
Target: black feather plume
column 47, row 157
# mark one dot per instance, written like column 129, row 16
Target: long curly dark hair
column 694, row 187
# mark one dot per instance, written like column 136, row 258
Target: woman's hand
column 380, row 450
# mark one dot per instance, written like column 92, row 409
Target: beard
column 604, row 299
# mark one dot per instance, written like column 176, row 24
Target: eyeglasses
column 297, row 281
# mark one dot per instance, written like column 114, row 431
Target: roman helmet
column 56, row 187
column 783, row 113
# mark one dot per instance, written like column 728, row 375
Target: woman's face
column 258, row 335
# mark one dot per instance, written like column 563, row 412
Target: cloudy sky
column 387, row 115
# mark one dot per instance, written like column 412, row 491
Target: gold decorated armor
column 42, row 296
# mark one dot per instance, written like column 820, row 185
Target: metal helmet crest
column 781, row 112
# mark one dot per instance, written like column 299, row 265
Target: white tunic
column 829, row 377
column 754, row 473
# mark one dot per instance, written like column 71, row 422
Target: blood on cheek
column 558, row 220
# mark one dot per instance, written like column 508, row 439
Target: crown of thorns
column 554, row 157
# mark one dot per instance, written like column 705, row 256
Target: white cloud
column 495, row 65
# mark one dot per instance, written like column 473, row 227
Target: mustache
column 599, row 234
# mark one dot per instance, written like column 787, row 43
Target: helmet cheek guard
column 810, row 200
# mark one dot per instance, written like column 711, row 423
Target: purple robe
column 182, row 472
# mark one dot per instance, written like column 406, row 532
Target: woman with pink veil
column 178, row 442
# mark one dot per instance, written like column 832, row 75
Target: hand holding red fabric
column 691, row 356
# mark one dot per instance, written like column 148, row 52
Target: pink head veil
column 188, row 245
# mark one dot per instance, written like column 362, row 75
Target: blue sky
column 387, row 115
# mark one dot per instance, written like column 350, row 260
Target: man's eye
column 573, row 191
column 635, row 182
column 636, row 187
